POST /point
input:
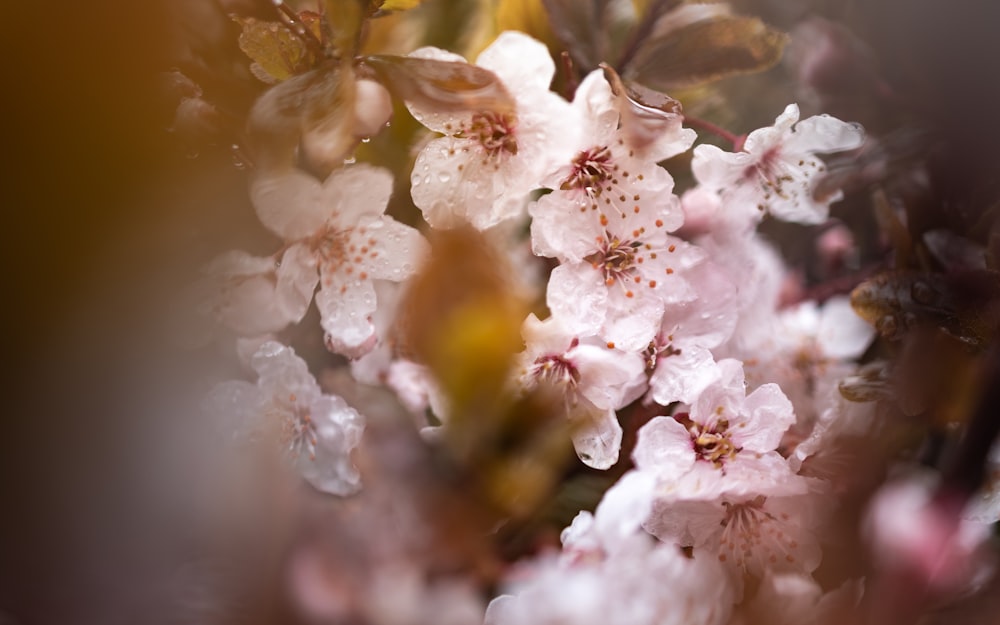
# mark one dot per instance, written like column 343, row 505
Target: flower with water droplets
column 594, row 380
column 483, row 169
column 777, row 170
column 318, row 431
column 341, row 239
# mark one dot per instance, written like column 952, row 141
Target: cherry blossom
column 318, row 431
column 253, row 295
column 777, row 169
column 606, row 558
column 595, row 380
column 482, row 171
column 680, row 357
column 726, row 429
column 340, row 238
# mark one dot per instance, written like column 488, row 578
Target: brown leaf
column 646, row 115
column 707, row 50
column 276, row 51
column 441, row 86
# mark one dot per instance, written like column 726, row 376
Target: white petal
column 717, row 170
column 297, row 278
column 357, row 192
column 560, row 229
column 522, row 63
column 576, row 293
column 682, row 377
column 283, row 375
column 624, row 508
column 823, row 134
column 345, row 307
column 338, row 431
column 842, row 334
column 769, row 413
column 664, row 447
column 291, row 204
column 597, row 437
column 397, row 250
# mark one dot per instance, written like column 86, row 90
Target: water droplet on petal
column 366, row 140
column 444, row 177
column 350, row 160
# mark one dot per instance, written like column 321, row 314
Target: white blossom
column 594, row 379
column 318, row 431
column 340, row 238
column 777, row 169
column 483, row 169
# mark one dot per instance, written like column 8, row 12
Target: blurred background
column 104, row 506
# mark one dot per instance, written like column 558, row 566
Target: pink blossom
column 777, row 169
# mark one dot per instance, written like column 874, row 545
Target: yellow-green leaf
column 441, row 86
column 276, row 51
column 398, row 5
column 707, row 50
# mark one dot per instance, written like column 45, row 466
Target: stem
column 296, row 26
column 568, row 71
column 707, row 126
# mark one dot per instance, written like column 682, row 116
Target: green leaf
column 277, row 53
column 441, row 86
column 707, row 50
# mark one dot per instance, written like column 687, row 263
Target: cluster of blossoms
column 654, row 300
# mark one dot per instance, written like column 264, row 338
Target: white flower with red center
column 726, row 432
column 318, row 431
column 595, row 380
column 629, row 269
column 482, row 171
column 607, row 220
column 749, row 535
column 601, row 175
column 777, row 170
column 340, row 238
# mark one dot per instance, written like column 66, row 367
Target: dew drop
column 350, row 160
column 366, row 140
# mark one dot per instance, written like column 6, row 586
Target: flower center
column 615, row 258
column 774, row 175
column 495, row 132
column 712, row 443
column 591, row 168
column 661, row 347
column 557, row 371
column 750, row 532
column 297, row 430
